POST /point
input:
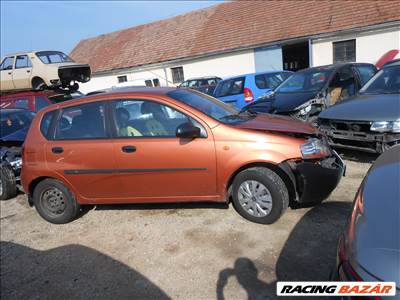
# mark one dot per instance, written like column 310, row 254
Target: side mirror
column 188, row 131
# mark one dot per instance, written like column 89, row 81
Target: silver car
column 369, row 249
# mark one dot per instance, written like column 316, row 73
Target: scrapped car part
column 364, row 253
column 173, row 143
column 42, row 70
column 308, row 92
column 371, row 120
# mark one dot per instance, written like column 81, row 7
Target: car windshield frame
column 14, row 115
column 210, row 106
column 45, row 57
column 307, row 75
column 370, row 89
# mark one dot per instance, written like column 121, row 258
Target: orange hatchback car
column 172, row 145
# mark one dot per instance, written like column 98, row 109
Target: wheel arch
column 290, row 185
column 32, row 186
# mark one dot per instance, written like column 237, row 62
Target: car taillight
column 248, row 95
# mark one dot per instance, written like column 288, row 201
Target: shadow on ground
column 309, row 254
column 69, row 272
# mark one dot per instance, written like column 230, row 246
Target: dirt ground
column 196, row 251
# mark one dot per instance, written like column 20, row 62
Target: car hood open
column 287, row 102
column 384, row 107
column 277, row 123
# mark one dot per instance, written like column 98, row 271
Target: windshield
column 13, row 120
column 53, row 57
column 386, row 81
column 307, row 81
column 210, row 106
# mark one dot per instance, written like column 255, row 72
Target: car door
column 22, row 72
column 153, row 163
column 82, row 153
column 6, row 73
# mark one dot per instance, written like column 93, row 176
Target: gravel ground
column 194, row 251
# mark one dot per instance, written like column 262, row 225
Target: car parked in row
column 172, row 144
column 203, row 84
column 14, row 124
column 241, row 90
column 369, row 249
column 369, row 121
column 40, row 70
column 35, row 100
column 308, row 92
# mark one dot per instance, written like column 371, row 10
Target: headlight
column 386, row 126
column 305, row 108
column 315, row 148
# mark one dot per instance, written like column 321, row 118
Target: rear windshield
column 12, row 121
column 230, row 87
column 53, row 57
column 271, row 80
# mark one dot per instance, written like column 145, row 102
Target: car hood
column 384, row 107
column 377, row 242
column 277, row 123
column 287, row 102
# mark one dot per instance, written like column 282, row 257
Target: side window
column 366, row 72
column 22, row 61
column 343, row 85
column 40, row 103
column 85, row 121
column 45, row 124
column 137, row 118
column 7, row 63
column 21, row 103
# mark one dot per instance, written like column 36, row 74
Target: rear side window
column 41, row 103
column 366, row 72
column 81, row 122
column 270, row 81
column 45, row 123
column 229, row 87
column 21, row 103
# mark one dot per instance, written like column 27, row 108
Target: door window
column 84, row 121
column 7, row 63
column 343, row 85
column 22, row 103
column 366, row 72
column 22, row 61
column 41, row 102
column 270, row 81
column 137, row 118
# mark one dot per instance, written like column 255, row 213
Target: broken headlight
column 306, row 107
column 386, row 126
column 315, row 148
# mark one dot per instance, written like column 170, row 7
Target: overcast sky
column 59, row 25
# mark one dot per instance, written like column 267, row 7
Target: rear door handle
column 57, row 150
column 28, row 71
column 128, row 149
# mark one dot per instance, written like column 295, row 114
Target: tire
column 54, row 202
column 8, row 187
column 38, row 84
column 274, row 199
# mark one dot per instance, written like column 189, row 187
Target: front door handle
column 57, row 150
column 128, row 149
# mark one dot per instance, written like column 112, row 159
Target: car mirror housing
column 188, row 131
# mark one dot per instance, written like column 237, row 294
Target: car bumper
column 315, row 180
column 365, row 141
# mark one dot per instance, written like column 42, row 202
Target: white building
column 240, row 37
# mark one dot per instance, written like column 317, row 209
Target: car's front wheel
column 260, row 195
column 55, row 202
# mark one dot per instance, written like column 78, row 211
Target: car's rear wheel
column 38, row 84
column 55, row 202
column 8, row 188
column 260, row 195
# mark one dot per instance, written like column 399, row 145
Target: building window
column 344, row 51
column 177, row 75
column 122, row 78
column 156, row 82
column 148, row 82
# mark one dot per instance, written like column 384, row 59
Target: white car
column 40, row 70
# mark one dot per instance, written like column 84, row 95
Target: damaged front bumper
column 366, row 141
column 314, row 180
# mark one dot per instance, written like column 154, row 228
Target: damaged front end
column 309, row 111
column 360, row 135
column 316, row 175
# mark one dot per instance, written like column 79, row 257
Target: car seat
column 154, row 125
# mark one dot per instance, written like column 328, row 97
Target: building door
column 295, row 56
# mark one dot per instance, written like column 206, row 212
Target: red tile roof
column 226, row 26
